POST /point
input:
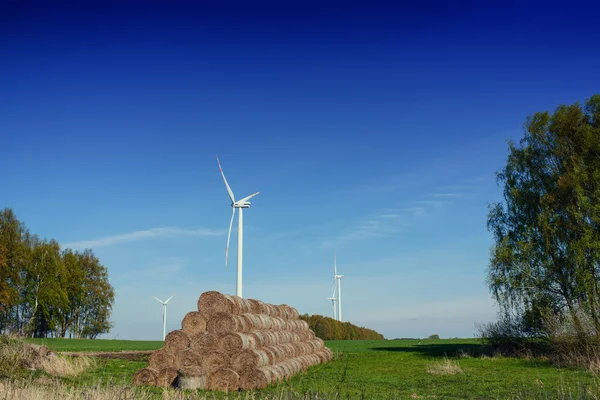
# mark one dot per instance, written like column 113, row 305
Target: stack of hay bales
column 232, row 343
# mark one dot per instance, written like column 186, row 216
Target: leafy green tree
column 546, row 257
column 93, row 313
column 45, row 283
column 12, row 238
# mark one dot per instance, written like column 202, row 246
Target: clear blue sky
column 375, row 130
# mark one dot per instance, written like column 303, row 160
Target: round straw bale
column 316, row 343
column 162, row 358
column 270, row 354
column 273, row 374
column 277, row 371
column 203, row 341
column 166, row 377
column 283, row 311
column 299, row 348
column 293, row 313
column 255, row 307
column 329, row 353
column 242, row 306
column 270, row 310
column 193, row 323
column 247, row 359
column 177, row 341
column 286, row 369
column 191, row 382
column 258, row 338
column 213, row 302
column 224, row 379
column 296, row 365
column 254, row 378
column 261, row 307
column 274, row 353
column 145, row 376
column 301, row 325
column 222, row 322
column 191, row 363
column 214, row 361
column 251, row 322
column 234, row 342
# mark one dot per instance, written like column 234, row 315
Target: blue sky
column 374, row 130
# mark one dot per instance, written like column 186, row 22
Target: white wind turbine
column 164, row 303
column 333, row 299
column 339, row 287
column 241, row 204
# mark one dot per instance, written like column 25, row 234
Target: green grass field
column 97, row 344
column 386, row 370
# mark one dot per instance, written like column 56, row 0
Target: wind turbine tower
column 240, row 204
column 339, row 287
column 164, row 303
column 333, row 299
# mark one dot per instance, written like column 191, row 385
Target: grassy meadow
column 389, row 369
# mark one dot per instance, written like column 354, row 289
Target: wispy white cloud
column 447, row 194
column 380, row 225
column 141, row 235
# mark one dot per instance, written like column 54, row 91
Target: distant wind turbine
column 164, row 303
column 339, row 287
column 241, row 204
column 333, row 299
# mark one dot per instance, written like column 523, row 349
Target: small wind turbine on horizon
column 164, row 303
column 339, row 287
column 333, row 299
column 240, row 204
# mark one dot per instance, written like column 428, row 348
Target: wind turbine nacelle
column 245, row 204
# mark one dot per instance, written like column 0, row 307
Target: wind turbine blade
column 225, row 180
column 249, row 197
column 169, row 299
column 159, row 300
column 229, row 235
column 334, row 263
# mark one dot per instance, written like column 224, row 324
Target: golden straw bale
column 162, row 358
column 145, row 376
column 193, row 323
column 254, row 378
column 234, row 342
column 177, row 341
column 246, row 359
column 255, row 307
column 213, row 302
column 203, row 341
column 166, row 377
column 273, row 374
column 242, row 306
column 224, row 379
column 191, row 363
column 214, row 361
column 222, row 322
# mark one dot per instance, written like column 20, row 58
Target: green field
column 97, row 344
column 386, row 370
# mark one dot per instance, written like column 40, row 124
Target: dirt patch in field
column 140, row 355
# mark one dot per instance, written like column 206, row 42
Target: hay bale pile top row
column 232, row 343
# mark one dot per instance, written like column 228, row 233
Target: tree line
column 46, row 291
column 330, row 329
